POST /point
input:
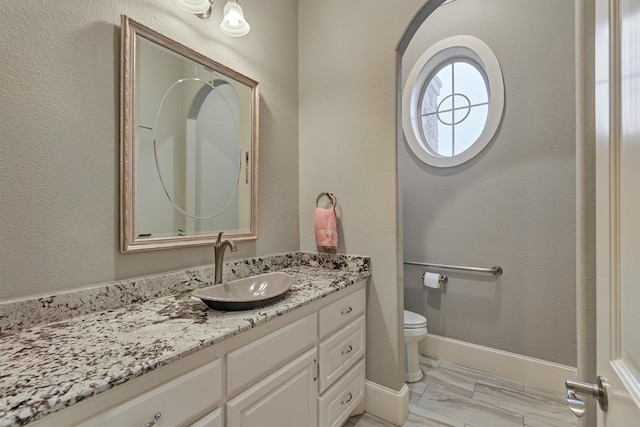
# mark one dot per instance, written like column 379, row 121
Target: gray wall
column 514, row 204
column 59, row 131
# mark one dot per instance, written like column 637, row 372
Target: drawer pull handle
column 317, row 374
column 347, row 310
column 347, row 351
column 155, row 420
column 348, row 399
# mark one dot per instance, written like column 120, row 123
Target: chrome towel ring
column 333, row 199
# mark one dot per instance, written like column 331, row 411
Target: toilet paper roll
column 432, row 280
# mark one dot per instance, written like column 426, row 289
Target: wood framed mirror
column 189, row 145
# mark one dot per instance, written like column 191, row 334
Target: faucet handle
column 219, row 239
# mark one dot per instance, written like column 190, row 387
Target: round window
column 452, row 101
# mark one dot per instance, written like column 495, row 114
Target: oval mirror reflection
column 196, row 147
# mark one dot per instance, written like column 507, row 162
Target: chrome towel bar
column 496, row 271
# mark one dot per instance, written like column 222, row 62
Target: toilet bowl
column 415, row 329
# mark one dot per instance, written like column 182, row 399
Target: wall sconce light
column 233, row 22
column 201, row 8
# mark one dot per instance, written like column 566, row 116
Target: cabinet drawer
column 341, row 312
column 248, row 364
column 340, row 351
column 177, row 401
column 335, row 406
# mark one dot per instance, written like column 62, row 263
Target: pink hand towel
column 325, row 223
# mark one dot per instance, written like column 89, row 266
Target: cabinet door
column 214, row 419
column 286, row 398
column 252, row 362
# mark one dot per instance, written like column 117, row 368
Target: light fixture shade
column 233, row 22
column 194, row 6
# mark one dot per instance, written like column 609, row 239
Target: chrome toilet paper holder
column 442, row 279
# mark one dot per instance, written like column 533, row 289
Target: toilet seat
column 414, row 320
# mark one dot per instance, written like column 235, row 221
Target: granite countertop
column 48, row 367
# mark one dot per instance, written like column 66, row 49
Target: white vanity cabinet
column 303, row 369
column 322, row 387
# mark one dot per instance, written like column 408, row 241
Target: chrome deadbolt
column 598, row 391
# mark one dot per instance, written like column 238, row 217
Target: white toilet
column 415, row 329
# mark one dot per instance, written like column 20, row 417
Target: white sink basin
column 247, row 293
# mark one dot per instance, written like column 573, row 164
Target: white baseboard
column 528, row 370
column 388, row 404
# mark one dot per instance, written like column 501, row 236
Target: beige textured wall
column 347, row 57
column 59, row 141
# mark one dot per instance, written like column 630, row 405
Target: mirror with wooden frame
column 189, row 145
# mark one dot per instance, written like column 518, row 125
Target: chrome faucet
column 219, row 249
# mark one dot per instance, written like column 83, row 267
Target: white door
column 618, row 208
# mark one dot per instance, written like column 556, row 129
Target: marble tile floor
column 457, row 396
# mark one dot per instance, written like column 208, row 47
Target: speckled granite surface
column 136, row 326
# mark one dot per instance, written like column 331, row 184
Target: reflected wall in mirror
column 189, row 131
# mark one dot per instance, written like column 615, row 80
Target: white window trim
column 455, row 47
